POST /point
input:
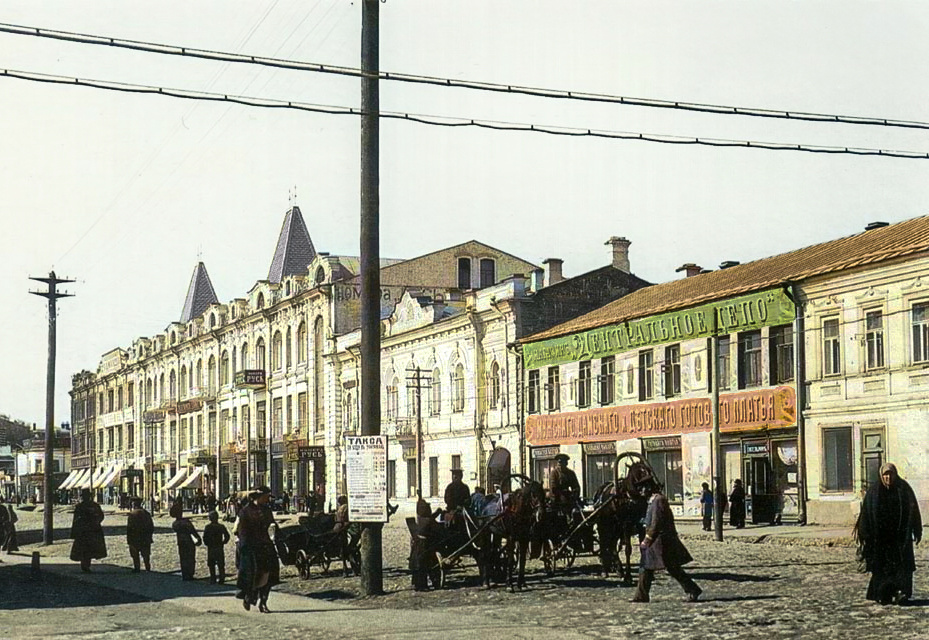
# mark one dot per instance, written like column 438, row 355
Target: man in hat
column 661, row 548
column 258, row 564
column 87, row 531
column 139, row 531
column 457, row 493
column 566, row 490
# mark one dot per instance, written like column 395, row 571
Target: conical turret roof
column 294, row 250
column 200, row 294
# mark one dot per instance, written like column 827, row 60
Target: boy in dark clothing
column 187, row 542
column 215, row 537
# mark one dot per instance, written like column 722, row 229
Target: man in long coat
column 139, row 531
column 662, row 548
column 888, row 524
column 259, row 569
column 87, row 532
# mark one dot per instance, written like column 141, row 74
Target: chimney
column 728, row 263
column 875, row 225
column 537, row 277
column 620, row 252
column 690, row 269
column 553, row 271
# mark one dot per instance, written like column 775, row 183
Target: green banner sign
column 753, row 311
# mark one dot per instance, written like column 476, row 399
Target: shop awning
column 86, row 480
column 176, row 480
column 80, row 479
column 103, row 475
column 112, row 476
column 193, row 477
column 70, row 479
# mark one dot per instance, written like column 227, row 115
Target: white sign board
column 366, row 475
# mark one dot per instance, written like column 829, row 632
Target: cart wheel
column 570, row 556
column 324, row 562
column 442, row 569
column 303, row 564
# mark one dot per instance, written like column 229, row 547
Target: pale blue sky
column 123, row 192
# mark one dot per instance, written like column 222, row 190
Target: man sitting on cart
column 457, row 496
column 566, row 494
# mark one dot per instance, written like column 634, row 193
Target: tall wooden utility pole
column 416, row 380
column 52, row 295
column 719, row 478
column 372, row 577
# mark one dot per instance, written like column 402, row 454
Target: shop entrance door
column 762, row 494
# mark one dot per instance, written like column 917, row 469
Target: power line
column 444, row 121
column 174, row 50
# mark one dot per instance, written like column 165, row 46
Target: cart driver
column 566, row 490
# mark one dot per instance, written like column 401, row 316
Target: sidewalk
column 786, row 534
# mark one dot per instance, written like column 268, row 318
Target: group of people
column 258, row 567
column 736, row 505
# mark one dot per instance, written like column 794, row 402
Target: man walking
column 187, row 541
column 139, row 531
column 661, row 548
column 215, row 537
column 87, row 532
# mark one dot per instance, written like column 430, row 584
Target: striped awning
column 112, row 476
column 70, row 479
column 193, row 477
column 176, row 480
column 102, row 475
column 83, row 482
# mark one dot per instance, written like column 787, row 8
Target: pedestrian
column 87, row 532
column 737, row 505
column 887, row 525
column 341, row 521
column 215, row 537
column 187, row 541
column 140, row 529
column 478, row 501
column 661, row 547
column 424, row 563
column 706, row 506
column 258, row 564
column 4, row 523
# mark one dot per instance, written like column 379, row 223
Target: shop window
column 411, row 478
column 837, row 459
column 672, row 370
column 543, row 469
column 832, row 349
column 598, row 470
column 607, row 380
column 553, row 389
column 749, row 359
column 646, row 375
column 488, row 272
column 433, row 477
column 920, row 315
column 781, row 354
column 669, row 471
column 464, row 273
column 872, row 456
column 723, row 358
column 874, row 340
column 583, row 384
column 533, row 391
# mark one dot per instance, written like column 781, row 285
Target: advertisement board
column 366, row 477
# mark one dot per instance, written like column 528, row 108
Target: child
column 215, row 537
column 187, row 541
column 706, row 506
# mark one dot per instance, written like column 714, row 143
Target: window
column 494, row 385
column 832, row 353
column 669, row 471
column 411, row 478
column 130, row 394
column 464, row 273
column 288, row 349
column 276, row 345
column 301, row 343
column 607, row 380
column 837, row 459
column 211, row 376
column 488, row 272
column 224, row 368
column 781, row 340
column 260, row 354
column 553, row 389
column 411, row 391
column 458, row 389
column 199, row 376
column 433, row 477
column 921, row 332
column 301, row 411
column 646, row 375
column 393, row 399
column 598, row 470
column 630, row 379
column 391, row 478
column 320, row 277
column 244, row 354
column 872, row 453
column 260, row 304
column 533, row 392
column 130, row 436
column 109, row 401
column 456, row 461
column 672, row 370
column 749, row 359
column 119, row 398
column 583, row 383
column 874, row 339
column 277, row 418
column 435, row 397
column 723, row 357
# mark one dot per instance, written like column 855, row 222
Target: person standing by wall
column 887, row 526
column 140, row 529
column 87, row 532
column 706, row 507
column 737, row 505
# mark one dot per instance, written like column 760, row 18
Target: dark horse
column 516, row 530
column 623, row 508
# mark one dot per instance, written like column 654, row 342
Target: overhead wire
column 207, row 54
column 446, row 121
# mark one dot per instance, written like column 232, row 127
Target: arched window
column 393, row 398
column 233, row 363
column 260, row 303
column 173, row 337
column 320, row 276
column 184, row 389
column 458, row 399
column 224, row 368
column 349, row 408
column 212, row 321
column 276, row 344
column 198, row 379
column 488, row 272
column 630, row 380
column 172, row 385
column 435, row 397
column 148, row 392
column 211, row 375
column 318, row 403
column 288, row 349
column 160, row 392
column 494, row 384
column 245, row 363
column 301, row 343
column 260, row 354
column 464, row 273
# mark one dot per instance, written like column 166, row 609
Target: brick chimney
column 536, row 279
column 620, row 252
column 553, row 271
column 690, row 269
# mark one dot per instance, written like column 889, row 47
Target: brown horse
column 516, row 528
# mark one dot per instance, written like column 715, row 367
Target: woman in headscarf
column 258, row 565
column 888, row 524
column 87, row 531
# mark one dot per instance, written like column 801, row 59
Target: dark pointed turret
column 294, row 250
column 200, row 294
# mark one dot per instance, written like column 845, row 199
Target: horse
column 517, row 529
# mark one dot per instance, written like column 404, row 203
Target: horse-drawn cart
column 314, row 543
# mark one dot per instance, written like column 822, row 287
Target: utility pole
column 415, row 381
column 718, row 476
column 372, row 570
column 52, row 295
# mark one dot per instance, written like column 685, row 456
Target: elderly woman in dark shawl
column 87, row 532
column 258, row 565
column 888, row 524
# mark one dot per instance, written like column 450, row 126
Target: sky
column 126, row 193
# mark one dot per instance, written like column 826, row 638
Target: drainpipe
column 480, row 390
column 799, row 377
